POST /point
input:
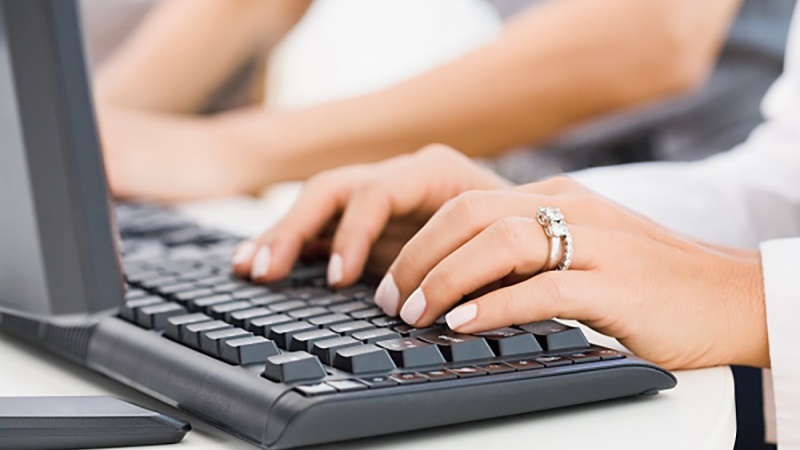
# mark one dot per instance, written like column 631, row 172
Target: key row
column 443, row 374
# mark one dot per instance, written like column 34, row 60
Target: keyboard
column 294, row 362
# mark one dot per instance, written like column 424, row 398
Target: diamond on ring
column 552, row 221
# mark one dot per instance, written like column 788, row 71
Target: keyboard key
column 188, row 296
column 156, row 283
column 305, row 293
column 326, row 349
column 410, row 352
column 458, row 347
column 192, row 332
column 467, row 372
column 351, row 327
column 135, row 294
column 581, row 357
column 307, row 313
column 357, row 291
column 287, row 306
column 176, row 288
column 347, row 385
column 510, row 341
column 155, row 316
column 205, row 303
column 606, row 354
column 369, row 313
column 291, row 367
column 524, row 364
column 553, row 361
column 250, row 292
column 496, row 368
column 379, row 382
column 363, row 359
column 328, row 320
column 376, row 334
column 440, row 375
column 128, row 310
column 268, row 299
column 223, row 311
column 303, row 275
column 282, row 334
column 409, row 378
column 225, row 288
column 555, row 336
column 210, row 341
column 346, row 308
column 408, row 330
column 263, row 325
column 387, row 321
column 242, row 317
column 310, row 390
column 248, row 350
column 328, row 300
column 306, row 339
column 175, row 324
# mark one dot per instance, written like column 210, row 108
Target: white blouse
column 747, row 197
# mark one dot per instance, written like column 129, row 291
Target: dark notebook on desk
column 146, row 297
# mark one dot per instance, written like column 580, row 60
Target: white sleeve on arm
column 781, row 266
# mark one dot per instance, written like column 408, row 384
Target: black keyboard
column 329, row 360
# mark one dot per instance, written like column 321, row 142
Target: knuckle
column 518, row 240
column 465, row 205
column 322, row 179
column 438, row 151
column 443, row 280
column 560, row 183
column 552, row 289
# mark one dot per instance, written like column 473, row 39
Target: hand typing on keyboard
column 447, row 229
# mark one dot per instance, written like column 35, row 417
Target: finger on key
column 453, row 225
column 565, row 294
column 278, row 248
column 364, row 219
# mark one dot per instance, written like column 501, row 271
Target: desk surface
column 700, row 413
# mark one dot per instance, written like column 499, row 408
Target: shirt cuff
column 781, row 268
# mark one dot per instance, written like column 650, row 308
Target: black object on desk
column 83, row 422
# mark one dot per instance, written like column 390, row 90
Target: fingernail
column 261, row 263
column 335, row 269
column 243, row 252
column 387, row 296
column 414, row 307
column 461, row 315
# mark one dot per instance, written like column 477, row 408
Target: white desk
column 699, row 414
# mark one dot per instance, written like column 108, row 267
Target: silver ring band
column 560, row 253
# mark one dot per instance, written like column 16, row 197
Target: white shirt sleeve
column 781, row 266
column 743, row 197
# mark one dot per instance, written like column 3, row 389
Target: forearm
column 550, row 69
column 186, row 49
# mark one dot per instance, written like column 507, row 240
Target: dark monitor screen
column 57, row 249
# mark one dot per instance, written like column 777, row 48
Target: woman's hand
column 362, row 214
column 672, row 301
column 166, row 157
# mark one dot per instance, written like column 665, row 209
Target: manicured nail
column 414, row 307
column 261, row 263
column 243, row 252
column 335, row 269
column 387, row 296
column 461, row 315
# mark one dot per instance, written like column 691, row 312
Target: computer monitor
column 57, row 249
